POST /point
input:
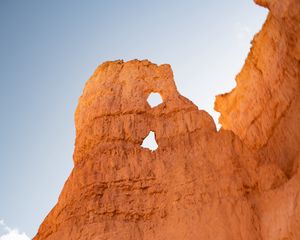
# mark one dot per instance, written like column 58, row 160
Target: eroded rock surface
column 263, row 109
column 199, row 183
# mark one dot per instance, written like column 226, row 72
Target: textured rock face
column 199, row 183
column 263, row 109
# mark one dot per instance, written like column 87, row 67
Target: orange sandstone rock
column 194, row 186
column 199, row 183
column 264, row 108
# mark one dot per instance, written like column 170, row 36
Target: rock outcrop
column 241, row 182
column 263, row 109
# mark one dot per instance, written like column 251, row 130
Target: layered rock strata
column 241, row 182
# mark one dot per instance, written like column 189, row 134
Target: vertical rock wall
column 264, row 108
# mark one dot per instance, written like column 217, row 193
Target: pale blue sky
column 48, row 49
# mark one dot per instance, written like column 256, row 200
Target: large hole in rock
column 150, row 142
column 154, row 99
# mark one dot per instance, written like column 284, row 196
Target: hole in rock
column 154, row 99
column 150, row 142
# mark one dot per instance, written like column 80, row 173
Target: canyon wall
column 241, row 182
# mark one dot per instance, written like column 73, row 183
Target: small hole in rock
column 150, row 142
column 154, row 99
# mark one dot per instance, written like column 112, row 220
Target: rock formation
column 242, row 182
column 263, row 110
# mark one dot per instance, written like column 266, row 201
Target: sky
column 48, row 49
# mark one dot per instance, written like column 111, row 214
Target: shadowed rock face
column 199, row 183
